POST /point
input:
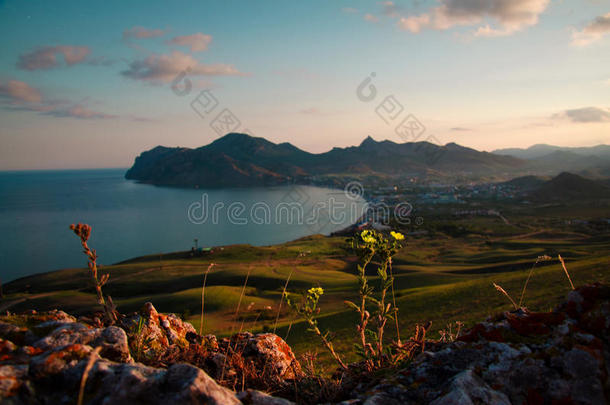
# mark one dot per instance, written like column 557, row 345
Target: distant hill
column 548, row 159
column 242, row 160
column 571, row 186
column 540, row 150
column 526, row 182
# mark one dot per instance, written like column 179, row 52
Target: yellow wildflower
column 397, row 235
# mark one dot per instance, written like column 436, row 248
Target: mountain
column 540, row 150
column 525, row 182
column 568, row 186
column 242, row 160
column 548, row 159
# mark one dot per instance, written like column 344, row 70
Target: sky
column 90, row 84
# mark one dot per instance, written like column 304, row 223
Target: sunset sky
column 88, row 84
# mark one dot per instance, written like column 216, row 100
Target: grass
column 438, row 278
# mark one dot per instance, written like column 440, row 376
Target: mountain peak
column 368, row 141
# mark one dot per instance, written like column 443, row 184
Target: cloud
column 197, row 42
column 390, row 9
column 311, row 111
column 370, row 18
column 318, row 112
column 413, row 23
column 592, row 32
column 460, row 129
column 158, row 68
column 510, row 15
column 20, row 96
column 78, row 111
column 585, row 115
column 16, row 92
column 45, row 57
column 141, row 33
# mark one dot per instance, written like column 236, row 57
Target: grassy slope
column 438, row 279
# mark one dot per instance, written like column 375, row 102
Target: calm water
column 131, row 219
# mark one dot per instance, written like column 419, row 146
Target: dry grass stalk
column 83, row 231
column 279, row 308
column 503, row 291
column 394, row 303
column 241, row 296
column 563, row 264
column 88, row 367
column 205, row 278
column 229, row 348
column 538, row 260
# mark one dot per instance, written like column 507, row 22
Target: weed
column 308, row 309
column 563, row 264
column 372, row 244
column 83, row 231
column 83, row 382
column 205, row 278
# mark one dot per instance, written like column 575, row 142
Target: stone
column 269, row 352
column 469, row 389
column 115, row 346
column 254, row 397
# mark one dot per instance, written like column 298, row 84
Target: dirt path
column 7, row 305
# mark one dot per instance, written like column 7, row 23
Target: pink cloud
column 78, row 111
column 510, row 15
column 17, row 92
column 592, row 32
column 163, row 68
column 141, row 32
column 371, row 18
column 197, row 42
column 45, row 57
column 20, row 96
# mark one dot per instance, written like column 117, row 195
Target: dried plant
column 538, row 260
column 205, row 278
column 279, row 308
column 83, row 231
column 83, row 382
column 447, row 334
column 563, row 264
column 503, row 291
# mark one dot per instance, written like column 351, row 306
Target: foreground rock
column 560, row 357
column 43, row 358
column 519, row 357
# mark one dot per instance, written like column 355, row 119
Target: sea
column 130, row 219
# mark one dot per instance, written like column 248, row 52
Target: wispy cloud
column 317, row 111
column 349, row 10
column 139, row 32
column 19, row 96
column 163, row 68
column 371, row 18
column 585, row 115
column 197, row 42
column 46, row 57
column 592, row 32
column 16, row 92
column 510, row 16
column 78, row 111
column 460, row 129
column 391, row 9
